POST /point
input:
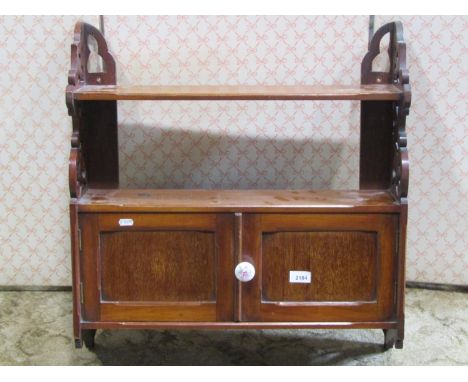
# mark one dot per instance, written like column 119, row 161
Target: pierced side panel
column 400, row 171
column 396, row 53
column 88, row 42
column 397, row 75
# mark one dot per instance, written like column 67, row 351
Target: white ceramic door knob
column 244, row 271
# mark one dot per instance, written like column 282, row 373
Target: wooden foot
column 88, row 337
column 78, row 343
column 392, row 338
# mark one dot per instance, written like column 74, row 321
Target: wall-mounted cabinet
column 238, row 258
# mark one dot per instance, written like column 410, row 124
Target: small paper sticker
column 302, row 277
column 125, row 222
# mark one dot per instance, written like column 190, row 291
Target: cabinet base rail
column 393, row 336
column 238, row 325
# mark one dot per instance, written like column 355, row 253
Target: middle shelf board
column 381, row 92
column 198, row 200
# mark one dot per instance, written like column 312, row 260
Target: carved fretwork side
column 390, row 167
column 79, row 76
column 384, row 152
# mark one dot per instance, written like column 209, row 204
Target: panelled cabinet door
column 317, row 267
column 157, row 267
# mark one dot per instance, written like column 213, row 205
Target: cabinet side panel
column 89, row 266
column 75, row 266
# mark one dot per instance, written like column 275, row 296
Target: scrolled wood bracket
column 78, row 76
column 398, row 75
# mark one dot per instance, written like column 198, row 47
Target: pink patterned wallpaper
column 230, row 144
column 35, row 139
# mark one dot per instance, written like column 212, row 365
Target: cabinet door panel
column 351, row 260
column 158, row 267
column 342, row 266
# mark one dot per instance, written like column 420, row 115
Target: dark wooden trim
column 239, row 325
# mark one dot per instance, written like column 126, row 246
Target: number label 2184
column 302, row 277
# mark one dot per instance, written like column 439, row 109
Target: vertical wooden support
column 238, row 258
column 384, row 154
column 384, row 157
column 94, row 146
column 75, row 267
column 94, row 150
column 400, row 298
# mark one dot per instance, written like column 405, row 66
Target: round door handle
column 244, row 271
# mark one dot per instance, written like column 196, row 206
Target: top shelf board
column 193, row 200
column 382, row 92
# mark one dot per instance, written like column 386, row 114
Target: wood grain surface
column 150, row 200
column 162, row 267
column 342, row 264
column 257, row 92
column 365, row 292
column 173, row 267
column 158, row 266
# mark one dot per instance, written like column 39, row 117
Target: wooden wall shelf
column 177, row 200
column 382, row 92
column 238, row 259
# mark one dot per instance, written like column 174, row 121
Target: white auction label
column 125, row 222
column 304, row 277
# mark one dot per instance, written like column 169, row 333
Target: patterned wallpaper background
column 230, row 144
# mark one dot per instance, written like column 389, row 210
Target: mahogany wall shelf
column 268, row 93
column 219, row 259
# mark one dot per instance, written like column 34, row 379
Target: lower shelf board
column 239, row 325
column 196, row 200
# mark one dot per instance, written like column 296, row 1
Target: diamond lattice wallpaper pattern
column 238, row 144
column 229, row 144
column 438, row 145
column 35, row 144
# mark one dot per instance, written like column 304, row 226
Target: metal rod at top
column 371, row 28
column 101, row 24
